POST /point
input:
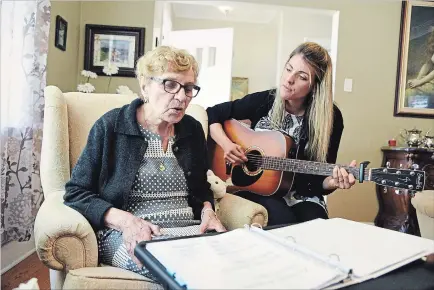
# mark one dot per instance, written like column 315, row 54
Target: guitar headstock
column 410, row 179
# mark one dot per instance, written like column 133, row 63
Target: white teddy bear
column 32, row 284
column 218, row 187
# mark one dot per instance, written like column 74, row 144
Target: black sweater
column 257, row 105
column 105, row 171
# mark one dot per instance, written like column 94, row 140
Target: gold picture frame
column 239, row 88
column 415, row 79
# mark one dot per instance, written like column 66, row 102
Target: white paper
column 240, row 259
column 367, row 249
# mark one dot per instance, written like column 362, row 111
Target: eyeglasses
column 173, row 87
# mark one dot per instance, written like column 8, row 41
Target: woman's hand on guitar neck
column 234, row 153
column 340, row 179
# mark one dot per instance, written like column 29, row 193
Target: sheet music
column 368, row 250
column 241, row 259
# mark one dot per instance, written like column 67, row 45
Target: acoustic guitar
column 272, row 164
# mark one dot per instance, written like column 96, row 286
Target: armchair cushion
column 107, row 278
column 83, row 111
column 423, row 202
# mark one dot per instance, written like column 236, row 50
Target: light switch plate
column 348, row 85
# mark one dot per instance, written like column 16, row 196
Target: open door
column 213, row 50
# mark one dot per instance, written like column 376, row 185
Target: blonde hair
column 319, row 102
column 163, row 59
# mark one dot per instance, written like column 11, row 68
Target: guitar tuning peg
column 415, row 166
column 388, row 164
column 400, row 166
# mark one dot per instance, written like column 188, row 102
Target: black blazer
column 257, row 105
column 104, row 174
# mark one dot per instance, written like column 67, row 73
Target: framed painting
column 239, row 88
column 415, row 79
column 118, row 45
column 60, row 33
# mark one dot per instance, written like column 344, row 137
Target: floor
column 24, row 271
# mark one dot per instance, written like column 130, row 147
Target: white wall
column 254, row 44
column 213, row 49
column 279, row 26
column 265, row 42
column 167, row 19
column 158, row 23
column 297, row 24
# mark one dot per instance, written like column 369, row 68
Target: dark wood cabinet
column 395, row 209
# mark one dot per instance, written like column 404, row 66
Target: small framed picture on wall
column 61, row 33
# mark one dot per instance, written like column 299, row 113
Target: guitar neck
column 308, row 167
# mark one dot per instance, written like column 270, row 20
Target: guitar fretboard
column 300, row 166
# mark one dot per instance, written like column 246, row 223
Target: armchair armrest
column 423, row 202
column 234, row 212
column 64, row 238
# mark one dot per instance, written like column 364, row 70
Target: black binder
column 404, row 274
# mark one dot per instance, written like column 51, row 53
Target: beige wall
column 62, row 65
column 367, row 53
column 64, row 68
column 121, row 13
column 260, row 40
column 298, row 24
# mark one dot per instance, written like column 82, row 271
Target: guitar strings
column 259, row 160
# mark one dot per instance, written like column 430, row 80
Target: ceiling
column 239, row 12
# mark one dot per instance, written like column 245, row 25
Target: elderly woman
column 142, row 174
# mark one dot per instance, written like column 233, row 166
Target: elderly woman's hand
column 210, row 221
column 135, row 230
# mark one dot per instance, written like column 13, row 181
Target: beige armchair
column 423, row 202
column 65, row 241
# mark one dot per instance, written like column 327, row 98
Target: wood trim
column 17, row 261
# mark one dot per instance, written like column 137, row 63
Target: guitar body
column 250, row 176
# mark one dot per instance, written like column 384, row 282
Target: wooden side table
column 395, row 209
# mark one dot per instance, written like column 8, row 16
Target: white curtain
column 24, row 45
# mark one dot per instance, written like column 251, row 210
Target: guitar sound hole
column 254, row 161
